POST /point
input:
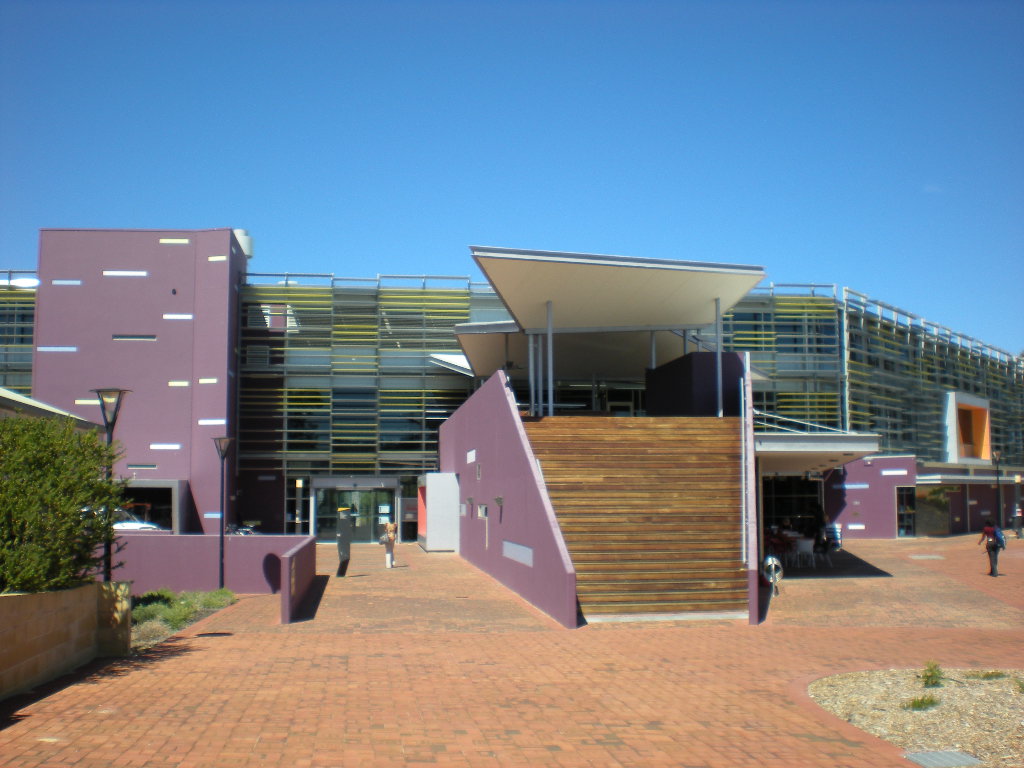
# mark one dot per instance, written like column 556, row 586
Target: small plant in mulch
column 921, row 703
column 994, row 674
column 1020, row 685
column 159, row 614
column 932, row 675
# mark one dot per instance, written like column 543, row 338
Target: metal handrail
column 772, row 420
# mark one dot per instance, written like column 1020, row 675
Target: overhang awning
column 455, row 363
column 604, row 309
column 604, row 293
column 14, row 405
column 786, row 453
column 580, row 356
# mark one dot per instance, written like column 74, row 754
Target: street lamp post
column 223, row 446
column 110, row 406
column 996, row 456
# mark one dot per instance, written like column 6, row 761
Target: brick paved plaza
column 434, row 663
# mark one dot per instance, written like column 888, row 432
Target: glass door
column 906, row 511
column 368, row 508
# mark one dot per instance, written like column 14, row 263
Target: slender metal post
column 531, row 343
column 997, row 455
column 110, row 399
column 551, row 360
column 718, row 353
column 223, row 446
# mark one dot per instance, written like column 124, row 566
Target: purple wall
column 862, row 495
column 298, row 570
column 180, row 287
column 519, row 543
column 688, row 385
column 252, row 564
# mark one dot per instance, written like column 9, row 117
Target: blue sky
column 877, row 145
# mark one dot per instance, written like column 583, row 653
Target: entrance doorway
column 369, row 508
column 906, row 511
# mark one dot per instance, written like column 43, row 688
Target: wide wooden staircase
column 649, row 508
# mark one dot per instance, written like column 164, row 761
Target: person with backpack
column 994, row 541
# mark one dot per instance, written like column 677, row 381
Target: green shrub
column 178, row 615
column 143, row 613
column 54, row 481
column 150, row 633
column 178, row 610
column 991, row 675
column 163, row 596
column 214, row 601
column 932, row 675
column 921, row 702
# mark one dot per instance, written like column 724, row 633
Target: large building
column 334, row 388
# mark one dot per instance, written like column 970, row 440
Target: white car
column 128, row 522
column 137, row 525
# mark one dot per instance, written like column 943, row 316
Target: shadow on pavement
column 311, row 602
column 88, row 674
column 844, row 566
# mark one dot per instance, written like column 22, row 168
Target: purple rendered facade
column 154, row 312
column 862, row 495
column 518, row 542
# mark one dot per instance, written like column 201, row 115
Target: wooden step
column 649, row 509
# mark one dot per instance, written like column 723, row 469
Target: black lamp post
column 110, row 405
column 996, row 456
column 223, row 446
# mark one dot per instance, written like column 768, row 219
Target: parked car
column 126, row 521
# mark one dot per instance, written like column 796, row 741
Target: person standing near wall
column 344, row 538
column 988, row 535
column 388, row 540
column 1018, row 519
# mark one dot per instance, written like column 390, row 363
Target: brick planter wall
column 45, row 635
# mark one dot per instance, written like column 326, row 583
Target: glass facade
column 835, row 357
column 17, row 316
column 338, row 377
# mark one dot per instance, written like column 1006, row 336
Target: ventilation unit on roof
column 245, row 241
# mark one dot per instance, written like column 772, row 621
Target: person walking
column 988, row 535
column 388, row 540
column 1018, row 519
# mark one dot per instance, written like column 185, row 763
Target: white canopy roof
column 597, row 292
column 604, row 308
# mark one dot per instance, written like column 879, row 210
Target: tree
column 54, row 492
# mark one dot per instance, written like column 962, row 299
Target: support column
column 551, row 360
column 531, row 346
column 718, row 353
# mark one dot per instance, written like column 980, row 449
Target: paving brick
column 434, row 663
